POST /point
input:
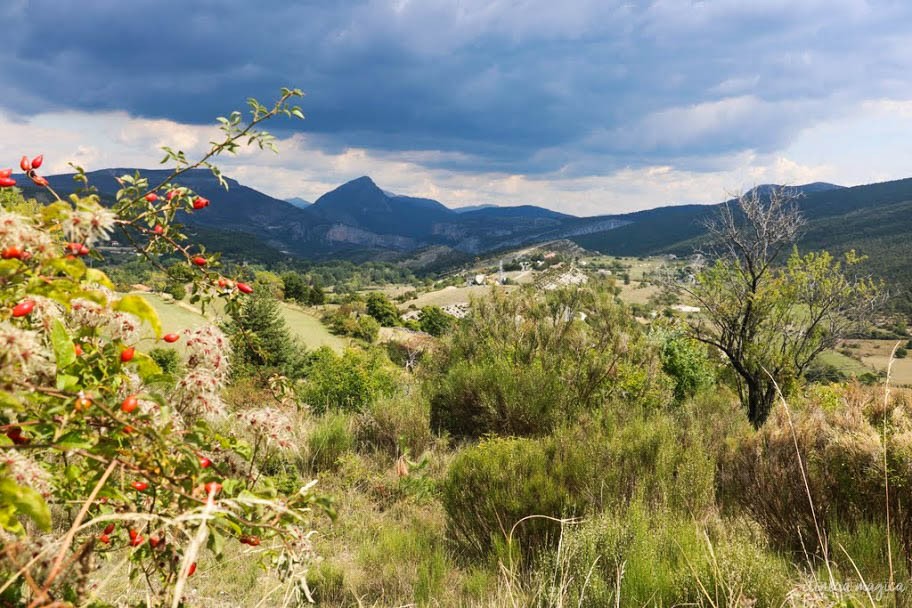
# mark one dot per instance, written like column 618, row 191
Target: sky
column 584, row 106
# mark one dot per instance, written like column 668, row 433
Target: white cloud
column 870, row 145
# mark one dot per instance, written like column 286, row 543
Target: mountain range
column 360, row 221
column 357, row 220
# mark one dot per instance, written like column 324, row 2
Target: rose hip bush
column 102, row 454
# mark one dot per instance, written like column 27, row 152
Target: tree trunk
column 760, row 397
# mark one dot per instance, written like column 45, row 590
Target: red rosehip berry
column 191, row 569
column 253, row 541
column 204, row 462
column 199, row 260
column 137, row 540
column 23, row 308
column 244, row 288
column 105, row 538
column 83, row 250
column 129, row 404
column 82, row 404
column 109, row 528
column 78, row 350
column 37, row 179
column 222, row 283
column 7, row 182
column 213, row 488
column 200, row 203
column 171, row 338
column 24, row 164
column 127, row 354
column 159, row 229
column 36, row 162
column 151, row 197
column 171, row 194
column 140, row 486
column 11, row 252
column 154, row 541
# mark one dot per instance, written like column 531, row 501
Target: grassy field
column 305, row 326
column 875, row 354
column 451, row 295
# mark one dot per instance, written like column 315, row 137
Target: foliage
column 167, row 359
column 90, row 423
column 841, row 434
column 176, row 291
column 686, row 362
column 771, row 322
column 330, row 437
column 367, row 329
column 520, row 364
column 350, row 381
column 396, row 424
column 492, row 486
column 434, row 321
column 260, row 337
column 639, row 556
column 384, row 311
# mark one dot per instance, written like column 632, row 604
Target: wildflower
column 23, row 353
column 269, row 424
column 26, row 472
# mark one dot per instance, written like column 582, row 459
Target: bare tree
column 770, row 316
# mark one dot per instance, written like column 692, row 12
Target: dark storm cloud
column 519, row 86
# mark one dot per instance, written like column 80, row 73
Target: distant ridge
column 298, row 202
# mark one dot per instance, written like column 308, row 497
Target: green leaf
column 146, row 367
column 26, row 501
column 138, row 306
column 93, row 275
column 73, row 440
column 216, row 542
column 67, row 382
column 64, row 351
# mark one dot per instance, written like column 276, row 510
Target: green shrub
column 405, row 564
column 658, row 459
column 176, row 290
column 367, row 329
column 330, row 438
column 639, row 556
column 260, row 338
column 434, row 321
column 350, row 381
column 686, row 362
column 395, row 424
column 167, row 359
column 901, row 353
column 521, row 363
column 380, row 308
column 495, row 484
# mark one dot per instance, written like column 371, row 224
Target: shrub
column 686, row 362
column 901, row 353
column 842, row 448
column 330, row 438
column 639, row 556
column 176, row 290
column 350, row 381
column 493, row 485
column 88, row 425
column 167, row 359
column 367, row 329
column 384, row 311
column 395, row 424
column 521, row 363
column 434, row 321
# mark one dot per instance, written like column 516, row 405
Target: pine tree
column 260, row 337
